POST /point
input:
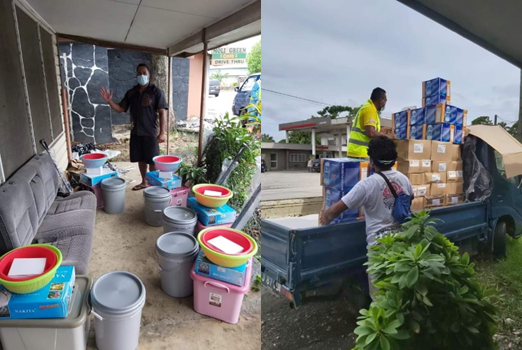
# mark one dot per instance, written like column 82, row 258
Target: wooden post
column 203, row 96
column 66, row 124
column 169, row 82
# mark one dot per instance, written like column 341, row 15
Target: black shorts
column 143, row 149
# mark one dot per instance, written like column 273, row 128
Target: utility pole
column 495, row 122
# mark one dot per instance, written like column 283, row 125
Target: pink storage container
column 97, row 192
column 201, row 227
column 219, row 299
column 179, row 196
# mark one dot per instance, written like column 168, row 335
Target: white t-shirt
column 377, row 200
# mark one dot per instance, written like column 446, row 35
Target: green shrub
column 428, row 296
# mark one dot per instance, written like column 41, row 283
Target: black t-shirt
column 143, row 108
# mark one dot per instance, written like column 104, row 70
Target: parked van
column 242, row 98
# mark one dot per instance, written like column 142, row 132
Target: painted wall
column 85, row 71
column 180, row 87
column 122, row 77
column 194, row 88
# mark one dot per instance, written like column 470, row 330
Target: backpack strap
column 389, row 184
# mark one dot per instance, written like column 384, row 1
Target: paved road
column 276, row 185
column 218, row 106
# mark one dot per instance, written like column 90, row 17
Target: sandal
column 140, row 187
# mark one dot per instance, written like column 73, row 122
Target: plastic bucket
column 176, row 252
column 113, row 190
column 117, row 300
column 179, row 219
column 156, row 199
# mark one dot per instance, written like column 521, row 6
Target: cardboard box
column 458, row 134
column 401, row 133
column 341, row 173
column 434, row 201
column 416, row 179
column 52, row 301
column 430, row 116
column 421, row 190
column 413, row 149
column 232, row 275
column 438, row 132
column 212, row 216
column 400, row 119
column 434, row 178
column 454, row 115
column 455, row 176
column 417, row 116
column 445, row 188
column 436, row 86
column 417, row 132
column 413, row 166
column 418, row 204
column 434, row 100
column 444, row 151
column 440, row 166
column 453, row 199
column 93, row 180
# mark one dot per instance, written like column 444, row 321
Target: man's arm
column 353, row 199
column 371, row 132
column 107, row 96
column 331, row 213
column 369, row 120
column 162, row 119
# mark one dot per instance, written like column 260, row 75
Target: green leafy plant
column 428, row 296
column 257, row 284
column 229, row 137
column 195, row 175
column 254, row 59
column 252, row 118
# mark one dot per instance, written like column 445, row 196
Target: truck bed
column 297, row 255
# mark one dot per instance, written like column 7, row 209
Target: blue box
column 417, row 116
column 232, row 275
column 52, row 301
column 93, row 180
column 417, row 132
column 458, row 134
column 439, row 86
column 400, row 119
column 433, row 100
column 431, row 116
column 438, row 132
column 332, row 196
column 455, row 115
column 401, row 133
column 154, row 179
column 212, row 216
column 341, row 173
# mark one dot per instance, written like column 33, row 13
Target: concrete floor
column 126, row 242
column 276, row 185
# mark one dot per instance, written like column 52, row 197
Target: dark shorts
column 143, row 149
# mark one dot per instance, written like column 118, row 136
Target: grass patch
column 506, row 276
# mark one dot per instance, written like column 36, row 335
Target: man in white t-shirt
column 373, row 194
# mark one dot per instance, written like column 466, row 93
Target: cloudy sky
column 337, row 51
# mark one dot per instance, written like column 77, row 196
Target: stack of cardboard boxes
column 435, row 171
column 437, row 120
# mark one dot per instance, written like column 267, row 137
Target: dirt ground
column 125, row 242
column 314, row 326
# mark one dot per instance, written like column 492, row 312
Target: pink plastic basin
column 94, row 160
column 167, row 163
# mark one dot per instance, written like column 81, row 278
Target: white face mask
column 143, row 79
column 382, row 108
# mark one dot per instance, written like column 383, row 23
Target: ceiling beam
column 242, row 18
column 451, row 25
column 111, row 44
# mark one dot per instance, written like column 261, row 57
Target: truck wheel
column 499, row 241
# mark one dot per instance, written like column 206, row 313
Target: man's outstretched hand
column 106, row 94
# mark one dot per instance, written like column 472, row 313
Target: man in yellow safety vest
column 367, row 125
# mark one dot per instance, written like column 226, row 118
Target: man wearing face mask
column 145, row 101
column 367, row 125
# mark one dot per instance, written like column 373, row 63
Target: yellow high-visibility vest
column 358, row 142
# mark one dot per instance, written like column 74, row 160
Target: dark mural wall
column 122, row 77
column 85, row 72
column 180, row 82
column 87, row 68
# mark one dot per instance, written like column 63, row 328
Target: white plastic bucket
column 117, row 301
column 176, row 252
column 113, row 192
column 156, row 199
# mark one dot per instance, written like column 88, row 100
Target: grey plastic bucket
column 176, row 252
column 179, row 219
column 156, row 199
column 117, row 300
column 113, row 191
